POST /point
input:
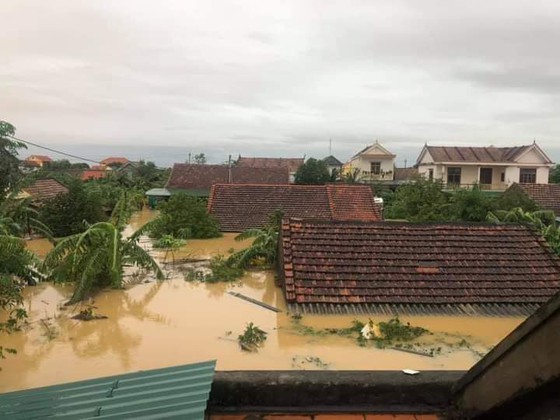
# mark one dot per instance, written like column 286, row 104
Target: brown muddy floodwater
column 158, row 324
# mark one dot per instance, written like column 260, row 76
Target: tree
column 264, row 246
column 96, row 258
column 470, row 205
column 185, row 217
column 420, row 201
column 515, row 197
column 200, row 158
column 313, row 171
column 65, row 214
column 554, row 176
column 10, row 173
column 18, row 217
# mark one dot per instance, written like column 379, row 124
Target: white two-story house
column 493, row 168
column 375, row 163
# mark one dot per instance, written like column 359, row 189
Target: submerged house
column 245, row 206
column 42, row 190
column 197, row 179
column 547, row 196
column 389, row 267
column 493, row 168
column 291, row 164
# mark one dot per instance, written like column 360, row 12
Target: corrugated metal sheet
column 178, row 392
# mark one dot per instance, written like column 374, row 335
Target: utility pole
column 330, row 147
column 229, row 170
column 405, row 163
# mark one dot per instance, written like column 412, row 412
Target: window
column 527, row 176
column 375, row 168
column 454, row 176
column 431, row 174
column 503, row 177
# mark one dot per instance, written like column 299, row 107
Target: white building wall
column 542, row 175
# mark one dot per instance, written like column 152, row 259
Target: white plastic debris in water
column 366, row 332
column 370, row 330
column 411, row 371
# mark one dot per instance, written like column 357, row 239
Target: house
column 333, row 164
column 547, row 196
column 391, row 267
column 94, row 173
column 374, row 163
column 114, row 162
column 42, row 190
column 197, row 179
column 493, row 168
column 37, row 160
column 248, row 206
column 291, row 164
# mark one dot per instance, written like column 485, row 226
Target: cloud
column 281, row 77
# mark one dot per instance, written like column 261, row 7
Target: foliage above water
column 96, row 258
column 425, row 200
column 169, row 242
column 11, row 302
column 219, row 270
column 185, row 217
column 252, row 338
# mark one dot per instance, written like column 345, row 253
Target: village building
column 249, row 206
column 374, row 163
column 333, row 164
column 37, row 161
column 546, row 196
column 197, row 179
column 390, row 267
column 493, row 168
column 114, row 162
column 291, row 164
column 42, row 190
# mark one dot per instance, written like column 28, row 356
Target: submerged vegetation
column 252, row 338
column 96, row 258
column 184, row 217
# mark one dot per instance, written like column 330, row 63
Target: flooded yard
column 157, row 324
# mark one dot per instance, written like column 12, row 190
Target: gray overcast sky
column 280, row 78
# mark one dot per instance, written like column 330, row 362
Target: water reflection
column 160, row 324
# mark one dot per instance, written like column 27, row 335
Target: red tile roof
column 476, row 154
column 292, row 164
column 94, row 174
column 240, row 207
column 111, row 160
column 42, row 158
column 546, row 196
column 45, row 189
column 195, row 177
column 405, row 263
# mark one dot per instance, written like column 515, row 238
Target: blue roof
column 175, row 392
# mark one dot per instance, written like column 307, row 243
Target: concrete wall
column 519, row 365
column 331, row 391
column 363, row 163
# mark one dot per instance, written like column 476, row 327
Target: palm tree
column 265, row 244
column 97, row 257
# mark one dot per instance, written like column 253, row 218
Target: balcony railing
column 501, row 186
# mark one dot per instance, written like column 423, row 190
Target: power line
column 54, row 150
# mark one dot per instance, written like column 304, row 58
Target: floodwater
column 157, row 324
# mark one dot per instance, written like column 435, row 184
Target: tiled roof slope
column 240, row 207
column 332, row 161
column 112, row 160
column 404, row 263
column 476, row 154
column 405, row 174
column 292, row 164
column 42, row 158
column 186, row 176
column 545, row 195
column 45, row 189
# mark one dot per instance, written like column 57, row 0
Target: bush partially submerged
column 220, row 270
column 252, row 338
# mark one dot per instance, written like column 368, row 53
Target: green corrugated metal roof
column 178, row 392
column 158, row 192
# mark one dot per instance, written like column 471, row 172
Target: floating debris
column 256, row 302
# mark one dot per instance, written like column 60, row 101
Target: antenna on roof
column 405, row 161
column 229, row 169
column 534, row 140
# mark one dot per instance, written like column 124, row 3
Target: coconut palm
column 97, row 257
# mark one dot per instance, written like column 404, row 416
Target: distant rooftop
column 44, row 189
column 292, row 164
column 478, row 154
column 240, row 207
column 546, row 196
